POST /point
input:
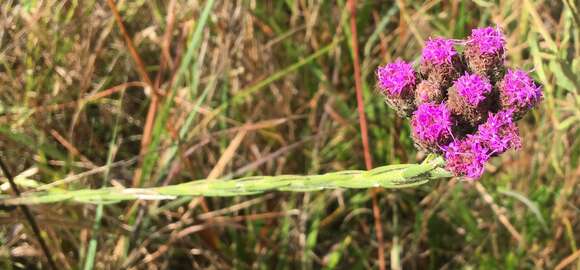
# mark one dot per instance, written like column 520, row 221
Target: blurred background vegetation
column 247, row 87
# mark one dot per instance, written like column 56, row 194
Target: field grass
column 164, row 92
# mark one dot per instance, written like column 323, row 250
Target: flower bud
column 429, row 91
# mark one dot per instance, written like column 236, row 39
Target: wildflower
column 439, row 51
column 466, row 157
column 396, row 78
column 467, row 99
column 431, row 126
column 499, row 133
column 440, row 61
column 472, row 89
column 487, row 40
column 518, row 92
column 485, row 52
column 467, row 118
column 397, row 82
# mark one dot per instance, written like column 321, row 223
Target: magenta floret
column 395, row 77
column 473, row 88
column 488, row 40
column 466, row 157
column 439, row 51
column 520, row 90
column 431, row 123
column 499, row 133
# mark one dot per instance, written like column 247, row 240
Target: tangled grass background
column 162, row 92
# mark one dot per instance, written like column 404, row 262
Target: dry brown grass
column 68, row 83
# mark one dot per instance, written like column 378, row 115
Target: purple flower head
column 439, row 51
column 431, row 123
column 499, row 133
column 518, row 89
column 466, row 157
column 488, row 40
column 472, row 88
column 395, row 77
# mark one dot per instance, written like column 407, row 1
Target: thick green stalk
column 391, row 176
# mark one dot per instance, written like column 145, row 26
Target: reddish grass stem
column 358, row 85
column 364, row 132
column 153, row 106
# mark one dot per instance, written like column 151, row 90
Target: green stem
column 391, row 176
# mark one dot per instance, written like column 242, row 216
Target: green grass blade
column 394, row 176
column 92, row 248
column 159, row 127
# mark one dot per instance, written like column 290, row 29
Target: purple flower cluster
column 473, row 88
column 488, row 40
column 466, row 118
column 395, row 77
